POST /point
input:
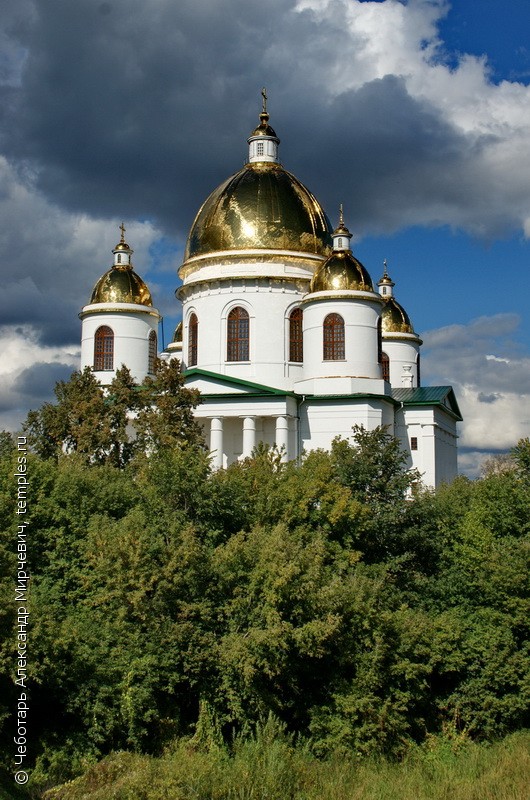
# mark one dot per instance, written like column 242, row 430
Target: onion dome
column 341, row 271
column 177, row 336
column 394, row 318
column 261, row 207
column 120, row 284
column 264, row 129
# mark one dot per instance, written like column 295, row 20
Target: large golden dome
column 261, row 207
column 394, row 318
column 121, row 285
column 341, row 271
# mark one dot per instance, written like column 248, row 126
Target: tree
column 521, row 456
column 76, row 423
column 166, row 418
column 110, row 425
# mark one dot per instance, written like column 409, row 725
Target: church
column 283, row 331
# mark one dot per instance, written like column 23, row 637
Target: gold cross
column 122, row 229
column 264, row 95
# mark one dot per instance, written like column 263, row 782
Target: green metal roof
column 253, row 388
column 429, row 396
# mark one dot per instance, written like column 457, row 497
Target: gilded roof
column 260, row 207
column 341, row 271
column 177, row 336
column 121, row 285
column 264, row 129
column 394, row 318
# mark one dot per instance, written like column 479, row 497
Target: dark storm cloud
column 36, row 382
column 139, row 109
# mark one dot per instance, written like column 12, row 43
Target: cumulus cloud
column 137, row 109
column 134, row 107
column 28, row 372
column 493, row 391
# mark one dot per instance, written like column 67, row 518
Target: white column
column 249, row 436
column 216, row 442
column 282, row 436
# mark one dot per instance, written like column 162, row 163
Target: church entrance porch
column 233, row 438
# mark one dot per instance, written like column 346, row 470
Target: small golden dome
column 122, row 246
column 260, row 207
column 121, row 285
column 177, row 336
column 342, row 271
column 394, row 318
column 264, row 129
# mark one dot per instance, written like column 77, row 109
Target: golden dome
column 260, row 207
column 264, row 129
column 394, row 318
column 177, row 336
column 121, row 285
column 341, row 271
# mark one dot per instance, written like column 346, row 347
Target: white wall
column 131, row 328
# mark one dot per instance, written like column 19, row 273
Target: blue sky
column 415, row 115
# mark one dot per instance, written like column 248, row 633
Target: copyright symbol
column 21, row 777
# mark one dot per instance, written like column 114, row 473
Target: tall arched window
column 151, row 357
column 238, row 335
column 296, row 341
column 334, row 338
column 385, row 367
column 193, row 340
column 104, row 348
column 418, row 376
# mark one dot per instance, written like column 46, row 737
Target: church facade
column 283, row 331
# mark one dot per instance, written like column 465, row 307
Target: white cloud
column 401, row 39
column 493, row 392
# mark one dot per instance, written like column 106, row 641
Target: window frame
column 296, row 336
column 193, row 339
column 238, row 335
column 385, row 367
column 333, row 338
column 104, row 349
column 152, row 352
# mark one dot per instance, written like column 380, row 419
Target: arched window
column 119, row 259
column 296, row 342
column 334, row 338
column 238, row 335
column 418, row 370
column 385, row 367
column 104, row 348
column 193, row 339
column 260, row 148
column 151, row 357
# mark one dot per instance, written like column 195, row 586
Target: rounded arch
column 193, row 339
column 296, row 339
column 385, row 367
column 333, row 338
column 238, row 334
column 103, row 349
column 152, row 352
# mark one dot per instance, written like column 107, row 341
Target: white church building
column 283, row 331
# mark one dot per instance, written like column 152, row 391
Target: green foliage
column 166, row 418
column 170, row 603
column 111, row 426
column 268, row 765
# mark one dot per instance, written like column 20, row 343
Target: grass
column 270, row 767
